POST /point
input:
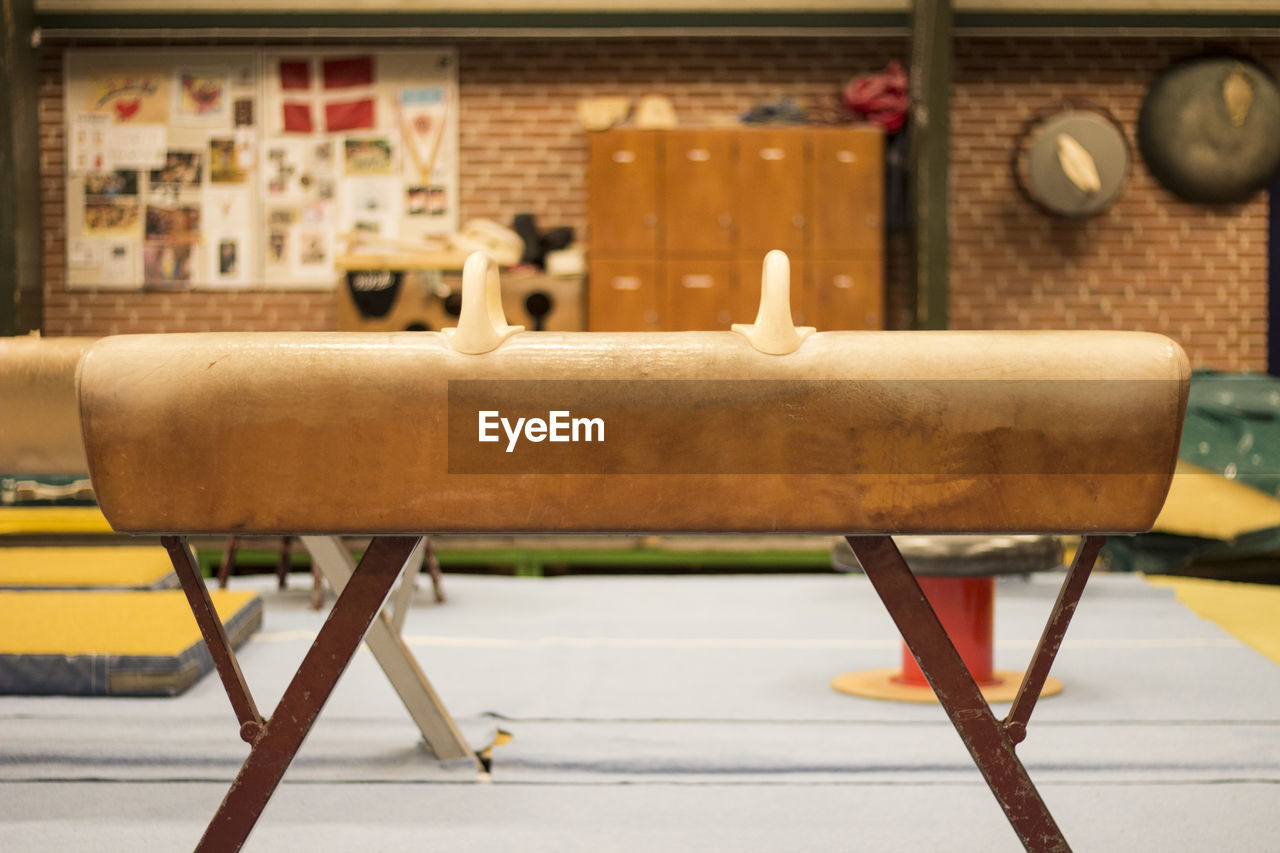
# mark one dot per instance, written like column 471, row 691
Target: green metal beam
column 1140, row 22
column 930, row 81
column 20, row 224
column 463, row 21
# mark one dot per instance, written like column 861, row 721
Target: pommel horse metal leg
column 397, row 661
column 275, row 741
column 215, row 636
column 990, row 742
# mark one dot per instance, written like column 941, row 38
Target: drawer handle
column 698, row 155
column 698, row 282
column 846, row 157
column 772, row 154
column 844, row 282
column 625, row 282
column 624, row 156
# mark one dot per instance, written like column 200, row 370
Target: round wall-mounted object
column 1073, row 162
column 1209, row 129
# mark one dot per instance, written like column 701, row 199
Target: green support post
column 930, row 82
column 20, row 221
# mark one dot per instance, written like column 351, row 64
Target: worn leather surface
column 39, row 420
column 348, row 433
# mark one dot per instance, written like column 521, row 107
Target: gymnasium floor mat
column 703, row 699
column 29, row 520
column 105, row 567
column 103, row 643
column 1249, row 612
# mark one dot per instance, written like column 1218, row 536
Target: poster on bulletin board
column 249, row 168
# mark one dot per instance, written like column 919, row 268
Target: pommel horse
column 765, row 428
column 39, row 414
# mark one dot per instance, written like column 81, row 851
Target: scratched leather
column 348, row 433
column 39, row 419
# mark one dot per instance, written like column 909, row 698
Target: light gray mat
column 208, row 748
column 644, row 818
column 678, row 713
column 753, row 648
column 767, row 647
column 610, row 752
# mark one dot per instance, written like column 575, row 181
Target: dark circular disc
column 1209, row 129
column 538, row 304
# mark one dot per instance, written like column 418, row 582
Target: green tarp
column 1233, row 429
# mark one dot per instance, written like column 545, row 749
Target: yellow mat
column 19, row 520
column 110, row 567
column 106, row 623
column 1205, row 504
column 1249, row 612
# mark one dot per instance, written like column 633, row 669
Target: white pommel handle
column 482, row 325
column 773, row 331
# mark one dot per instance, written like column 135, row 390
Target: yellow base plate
column 882, row 684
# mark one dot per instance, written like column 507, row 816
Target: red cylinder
column 966, row 608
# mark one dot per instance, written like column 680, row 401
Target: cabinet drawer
column 845, row 294
column 846, row 186
column 699, row 294
column 698, row 203
column 623, row 178
column 624, row 296
column 772, row 210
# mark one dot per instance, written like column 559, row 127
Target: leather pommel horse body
column 865, row 434
column 39, row 421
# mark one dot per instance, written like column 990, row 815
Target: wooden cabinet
column 846, row 174
column 680, row 220
column 768, row 177
column 623, row 213
column 697, row 210
column 625, row 296
column 845, row 293
column 700, row 294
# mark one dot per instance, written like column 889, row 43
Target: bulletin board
column 222, row 168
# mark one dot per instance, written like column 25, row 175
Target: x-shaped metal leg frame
column 274, row 741
column 990, row 742
column 439, row 731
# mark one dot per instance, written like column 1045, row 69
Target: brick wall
column 107, row 312
column 1151, row 262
